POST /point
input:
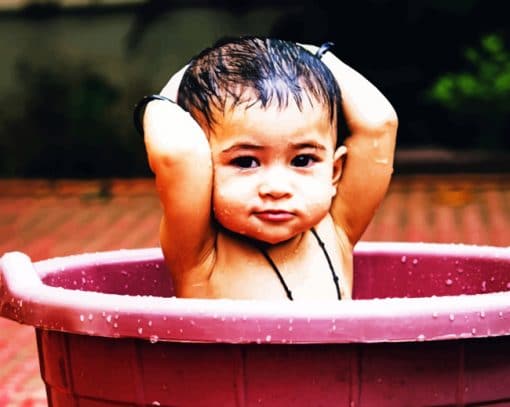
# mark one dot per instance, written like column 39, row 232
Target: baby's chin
column 261, row 237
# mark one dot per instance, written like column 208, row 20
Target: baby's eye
column 303, row 160
column 245, row 162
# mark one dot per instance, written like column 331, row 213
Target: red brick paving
column 46, row 219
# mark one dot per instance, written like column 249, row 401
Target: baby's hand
column 310, row 48
column 171, row 89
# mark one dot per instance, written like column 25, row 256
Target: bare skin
column 266, row 177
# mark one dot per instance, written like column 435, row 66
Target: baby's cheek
column 318, row 193
column 319, row 199
column 224, row 205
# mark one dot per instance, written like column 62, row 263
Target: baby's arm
column 372, row 124
column 180, row 157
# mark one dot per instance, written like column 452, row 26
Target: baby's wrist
column 171, row 89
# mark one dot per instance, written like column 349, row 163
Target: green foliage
column 479, row 95
column 68, row 121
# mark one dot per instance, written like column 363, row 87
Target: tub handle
column 18, row 280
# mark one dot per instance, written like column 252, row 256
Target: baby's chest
column 259, row 277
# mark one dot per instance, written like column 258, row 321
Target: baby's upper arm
column 179, row 155
column 372, row 124
column 365, row 178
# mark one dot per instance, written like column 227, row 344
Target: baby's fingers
column 171, row 89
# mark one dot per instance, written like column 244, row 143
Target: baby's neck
column 291, row 244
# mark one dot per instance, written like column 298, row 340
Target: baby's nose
column 275, row 184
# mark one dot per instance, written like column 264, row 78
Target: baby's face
column 274, row 170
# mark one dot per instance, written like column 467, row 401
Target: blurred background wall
column 71, row 71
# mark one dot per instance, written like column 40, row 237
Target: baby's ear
column 338, row 164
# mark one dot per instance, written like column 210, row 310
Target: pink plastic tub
column 429, row 327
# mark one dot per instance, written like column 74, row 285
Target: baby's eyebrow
column 252, row 146
column 314, row 145
column 242, row 146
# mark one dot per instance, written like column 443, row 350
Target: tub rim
column 26, row 299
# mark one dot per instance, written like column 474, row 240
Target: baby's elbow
column 392, row 120
column 383, row 122
column 387, row 126
column 391, row 124
column 388, row 119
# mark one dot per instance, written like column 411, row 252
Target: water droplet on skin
column 508, row 285
column 149, row 323
column 82, row 318
column 482, row 314
column 452, row 317
column 91, row 317
column 115, row 325
column 500, row 314
column 403, row 259
column 434, row 315
column 291, row 329
column 460, row 270
column 382, row 160
column 259, row 341
column 140, row 330
column 448, row 281
column 268, row 338
column 484, row 286
column 415, row 262
column 154, row 338
column 156, row 403
column 420, row 338
column 473, row 331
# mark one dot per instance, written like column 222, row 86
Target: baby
column 261, row 199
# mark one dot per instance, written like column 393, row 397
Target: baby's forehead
column 251, row 117
column 249, row 100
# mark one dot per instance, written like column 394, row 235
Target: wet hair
column 251, row 70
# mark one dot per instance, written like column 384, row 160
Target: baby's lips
column 274, row 215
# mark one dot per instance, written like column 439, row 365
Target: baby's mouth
column 274, row 215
